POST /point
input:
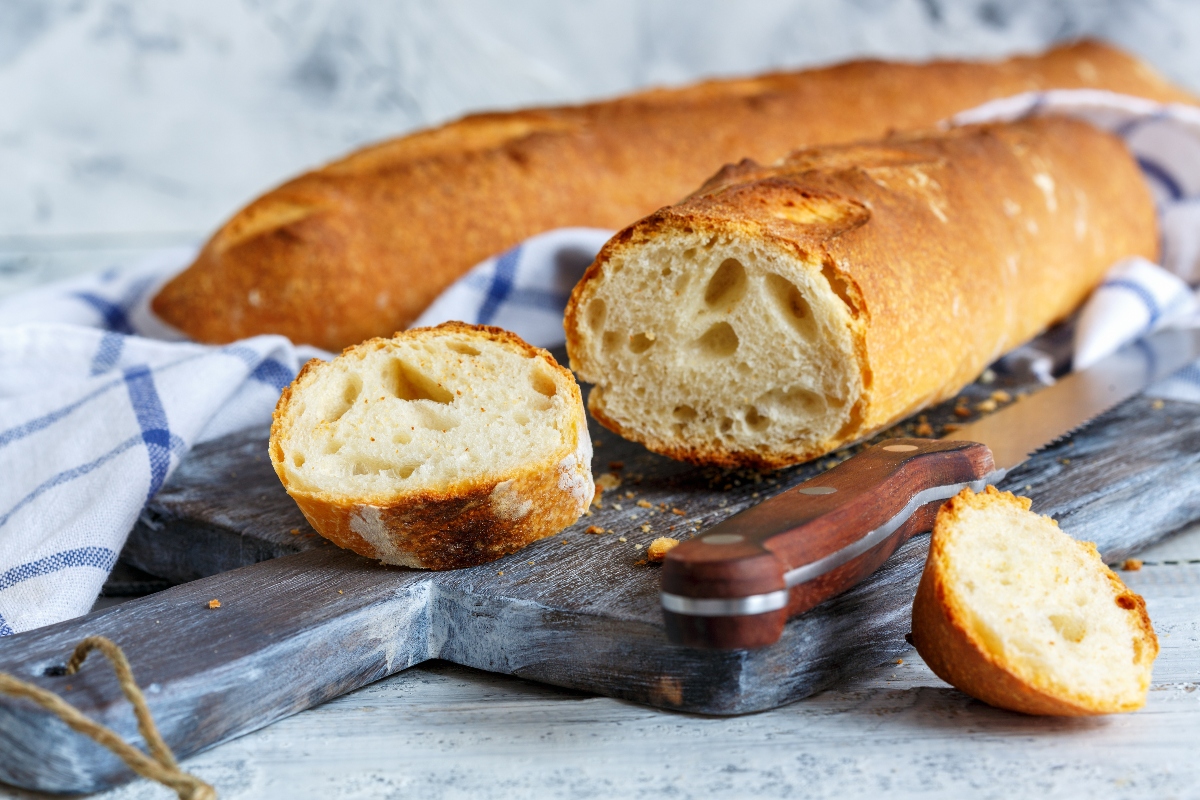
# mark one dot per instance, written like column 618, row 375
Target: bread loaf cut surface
column 784, row 311
column 1016, row 613
column 438, row 448
column 362, row 246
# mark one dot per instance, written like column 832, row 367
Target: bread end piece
column 1016, row 613
column 439, row 448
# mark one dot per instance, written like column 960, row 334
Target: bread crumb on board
column 214, row 603
column 660, row 547
column 596, row 529
column 1131, row 565
column 607, row 481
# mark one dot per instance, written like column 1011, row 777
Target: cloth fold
column 99, row 400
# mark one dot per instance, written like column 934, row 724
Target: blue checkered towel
column 99, row 400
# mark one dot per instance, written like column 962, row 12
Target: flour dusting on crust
column 575, row 473
column 367, row 522
column 507, row 503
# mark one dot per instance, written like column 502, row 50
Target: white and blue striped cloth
column 99, row 400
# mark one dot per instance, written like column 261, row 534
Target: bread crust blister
column 949, row 639
column 475, row 518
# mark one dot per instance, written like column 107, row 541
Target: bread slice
column 439, row 448
column 783, row 311
column 360, row 247
column 1016, row 613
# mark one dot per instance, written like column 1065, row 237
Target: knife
column 736, row 584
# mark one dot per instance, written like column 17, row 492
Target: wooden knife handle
column 735, row 585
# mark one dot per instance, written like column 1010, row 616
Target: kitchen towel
column 99, row 400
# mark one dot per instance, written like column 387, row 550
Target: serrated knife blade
column 1019, row 430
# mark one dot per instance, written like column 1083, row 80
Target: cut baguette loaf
column 784, row 311
column 1016, row 613
column 362, row 246
column 439, row 448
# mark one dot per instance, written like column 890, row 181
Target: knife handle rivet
column 816, row 490
column 900, row 448
column 723, row 538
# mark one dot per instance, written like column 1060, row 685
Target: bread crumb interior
column 720, row 341
column 1042, row 603
column 423, row 413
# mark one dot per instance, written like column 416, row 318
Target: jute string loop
column 162, row 767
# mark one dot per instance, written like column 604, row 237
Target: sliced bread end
column 1016, row 613
column 438, row 448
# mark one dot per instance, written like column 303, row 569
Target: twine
column 162, row 767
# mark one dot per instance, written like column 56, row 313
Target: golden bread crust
column 946, row 249
column 362, row 246
column 456, row 525
column 943, row 635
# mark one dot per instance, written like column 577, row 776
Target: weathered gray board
column 576, row 610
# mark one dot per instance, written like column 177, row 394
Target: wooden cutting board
column 301, row 622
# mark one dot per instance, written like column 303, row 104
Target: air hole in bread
column 726, row 424
column 797, row 400
column 342, row 402
column 408, row 383
column 719, row 341
column 840, row 288
column 1070, row 627
column 756, row 421
column 370, row 466
column 641, row 342
column 684, row 413
column 597, row 312
column 401, row 437
column 434, row 419
column 463, row 348
column 542, row 382
column 792, row 305
column 726, row 286
column 610, row 341
column 332, row 447
column 520, row 417
column 405, row 470
column 298, row 460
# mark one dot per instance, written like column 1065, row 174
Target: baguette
column 782, row 312
column 438, row 448
column 362, row 246
column 1016, row 613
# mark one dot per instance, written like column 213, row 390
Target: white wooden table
column 443, row 731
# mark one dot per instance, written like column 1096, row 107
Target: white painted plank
column 442, row 731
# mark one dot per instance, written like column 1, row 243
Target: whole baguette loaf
column 438, row 448
column 362, row 246
column 784, row 311
column 1014, row 612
